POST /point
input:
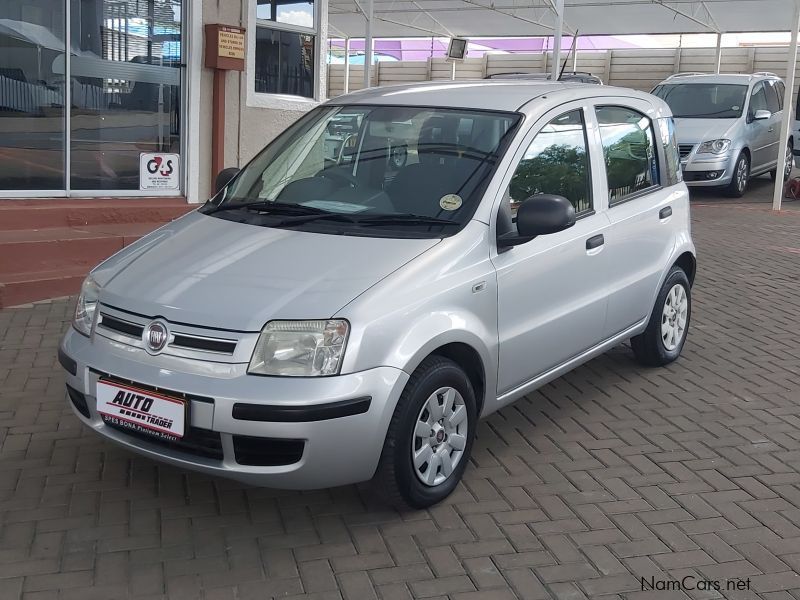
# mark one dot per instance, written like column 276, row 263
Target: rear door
column 640, row 210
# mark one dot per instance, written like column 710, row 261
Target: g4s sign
column 159, row 171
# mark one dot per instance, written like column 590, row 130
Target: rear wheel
column 430, row 436
column 741, row 176
column 663, row 340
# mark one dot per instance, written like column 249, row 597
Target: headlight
column 87, row 303
column 300, row 348
column 714, row 147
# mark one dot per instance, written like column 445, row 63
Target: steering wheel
column 341, row 176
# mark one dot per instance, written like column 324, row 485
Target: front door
column 551, row 291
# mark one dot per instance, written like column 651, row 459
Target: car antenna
column 571, row 50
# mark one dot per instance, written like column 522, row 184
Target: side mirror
column 540, row 215
column 224, row 177
column 762, row 115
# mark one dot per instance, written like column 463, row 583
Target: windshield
column 704, row 100
column 372, row 170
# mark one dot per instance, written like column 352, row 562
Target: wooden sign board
column 225, row 47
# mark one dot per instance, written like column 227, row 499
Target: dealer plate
column 140, row 410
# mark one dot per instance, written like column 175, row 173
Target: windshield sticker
column 450, row 202
column 735, row 107
column 333, row 206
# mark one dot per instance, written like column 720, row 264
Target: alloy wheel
column 674, row 316
column 788, row 164
column 439, row 436
column 741, row 174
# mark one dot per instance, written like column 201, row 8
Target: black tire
column 790, row 156
column 736, row 188
column 649, row 347
column 396, row 479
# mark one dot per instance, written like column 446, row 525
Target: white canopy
column 399, row 18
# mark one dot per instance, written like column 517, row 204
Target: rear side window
column 671, row 172
column 629, row 152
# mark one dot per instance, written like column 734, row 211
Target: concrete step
column 43, row 250
column 21, row 288
column 23, row 214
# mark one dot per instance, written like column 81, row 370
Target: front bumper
column 696, row 170
column 336, row 450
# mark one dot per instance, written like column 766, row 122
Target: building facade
column 111, row 97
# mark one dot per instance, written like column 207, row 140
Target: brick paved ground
column 607, row 475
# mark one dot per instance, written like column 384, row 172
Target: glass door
column 125, row 76
column 32, row 119
column 121, row 80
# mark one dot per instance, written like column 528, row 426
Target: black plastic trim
column 300, row 414
column 121, row 326
column 68, row 363
column 183, row 340
column 78, row 401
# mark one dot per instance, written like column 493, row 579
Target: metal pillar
column 788, row 113
column 346, row 65
column 368, row 46
column 556, row 66
column 718, row 57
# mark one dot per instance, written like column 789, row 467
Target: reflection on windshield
column 427, row 165
column 704, row 100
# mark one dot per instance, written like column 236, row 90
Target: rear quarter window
column 671, row 173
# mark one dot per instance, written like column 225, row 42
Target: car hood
column 211, row 272
column 695, row 131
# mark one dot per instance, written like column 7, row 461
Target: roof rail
column 687, row 74
column 766, row 73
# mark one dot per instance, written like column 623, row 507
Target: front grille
column 685, row 149
column 78, row 401
column 179, row 340
column 195, row 441
column 266, row 452
column 121, row 326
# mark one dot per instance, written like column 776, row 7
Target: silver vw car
column 334, row 315
column 728, row 128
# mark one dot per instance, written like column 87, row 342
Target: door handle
column 595, row 242
column 665, row 213
column 771, row 129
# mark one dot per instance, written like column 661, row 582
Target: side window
column 556, row 163
column 780, row 89
column 758, row 99
column 629, row 151
column 671, row 173
column 773, row 104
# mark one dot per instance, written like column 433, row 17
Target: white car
column 327, row 318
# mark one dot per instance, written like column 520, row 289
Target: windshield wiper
column 404, row 219
column 267, row 206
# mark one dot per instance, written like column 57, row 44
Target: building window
column 300, row 13
column 286, row 38
column 284, row 62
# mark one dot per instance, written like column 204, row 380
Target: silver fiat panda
column 397, row 264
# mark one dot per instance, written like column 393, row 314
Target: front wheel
column 788, row 164
column 663, row 339
column 430, row 436
column 741, row 176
